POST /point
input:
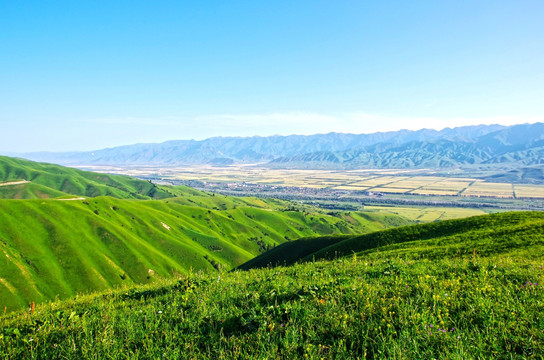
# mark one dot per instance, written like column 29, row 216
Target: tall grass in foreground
column 456, row 308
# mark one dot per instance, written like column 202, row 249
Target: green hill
column 29, row 191
column 504, row 232
column 69, row 181
column 58, row 243
column 386, row 303
column 60, row 248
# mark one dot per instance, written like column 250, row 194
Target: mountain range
column 489, row 145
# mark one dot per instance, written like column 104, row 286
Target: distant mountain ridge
column 467, row 145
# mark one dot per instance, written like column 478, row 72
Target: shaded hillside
column 516, row 146
column 485, row 234
column 530, row 174
column 61, row 179
column 59, row 248
column 434, row 154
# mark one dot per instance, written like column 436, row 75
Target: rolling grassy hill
column 54, row 242
column 59, row 248
column 30, row 191
column 467, row 288
column 386, row 302
column 501, row 232
column 58, row 180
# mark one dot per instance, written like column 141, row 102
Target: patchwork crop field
column 426, row 214
column 414, row 182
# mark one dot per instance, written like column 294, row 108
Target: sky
column 85, row 75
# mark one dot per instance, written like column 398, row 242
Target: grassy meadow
column 49, row 180
column 51, row 248
column 388, row 299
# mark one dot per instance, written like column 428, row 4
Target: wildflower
column 282, row 325
column 160, row 311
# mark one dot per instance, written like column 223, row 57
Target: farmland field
column 529, row 191
column 426, row 214
column 489, row 189
column 415, row 182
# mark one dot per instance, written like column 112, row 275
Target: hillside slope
column 69, row 181
column 479, row 234
column 387, row 306
column 52, row 247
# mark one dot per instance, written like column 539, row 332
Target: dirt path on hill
column 14, row 183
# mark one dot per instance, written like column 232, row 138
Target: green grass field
column 58, row 180
column 499, row 232
column 51, row 248
column 457, row 289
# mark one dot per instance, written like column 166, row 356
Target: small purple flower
column 431, row 325
column 452, row 329
column 282, row 325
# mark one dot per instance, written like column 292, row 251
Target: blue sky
column 82, row 75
